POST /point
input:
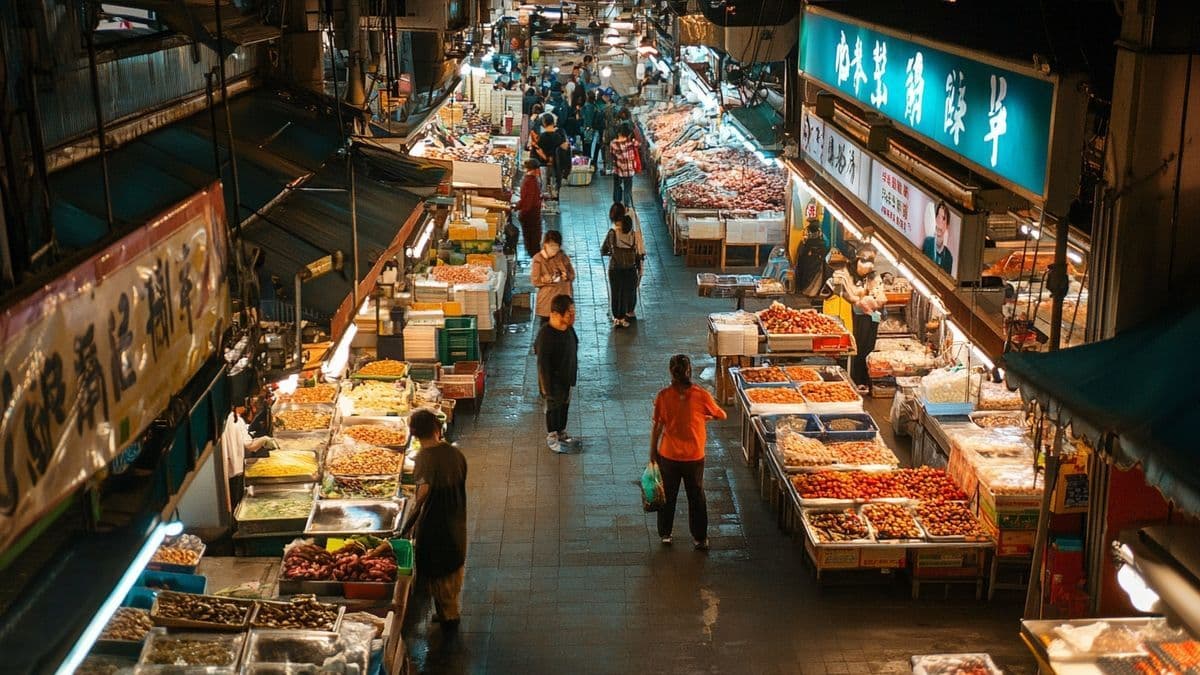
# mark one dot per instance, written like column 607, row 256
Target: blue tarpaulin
column 1137, row 390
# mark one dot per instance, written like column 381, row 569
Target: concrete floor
column 566, row 573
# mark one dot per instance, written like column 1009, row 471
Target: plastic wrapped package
column 1010, row 479
column 996, row 396
column 950, row 385
column 954, row 664
column 798, row 450
column 997, row 443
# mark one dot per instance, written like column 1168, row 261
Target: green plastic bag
column 654, row 497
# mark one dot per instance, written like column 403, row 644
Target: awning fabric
column 1137, row 389
column 313, row 220
column 279, row 138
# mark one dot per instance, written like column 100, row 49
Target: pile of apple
column 783, row 320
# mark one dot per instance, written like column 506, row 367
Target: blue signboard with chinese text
column 993, row 116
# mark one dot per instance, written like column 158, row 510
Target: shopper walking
column 557, row 348
column 626, row 164
column 439, row 517
column 552, row 149
column 626, row 249
column 551, row 273
column 593, row 117
column 529, row 207
column 677, row 440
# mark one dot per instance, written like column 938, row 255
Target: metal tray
column 172, row 622
column 338, row 517
column 326, row 408
column 235, row 642
column 375, row 479
column 812, row 531
column 273, row 525
column 399, row 422
column 171, row 567
column 292, row 480
column 337, row 621
column 770, row 422
column 324, row 646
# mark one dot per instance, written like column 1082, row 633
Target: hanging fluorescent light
column 1143, row 598
column 417, row 251
column 90, row 634
column 336, row 365
column 1074, row 257
column 288, row 384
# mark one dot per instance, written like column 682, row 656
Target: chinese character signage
column 93, row 357
column 841, row 158
column 995, row 117
column 923, row 219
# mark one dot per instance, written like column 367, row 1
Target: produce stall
column 462, row 137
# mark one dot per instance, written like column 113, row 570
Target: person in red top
column 625, row 164
column 677, row 446
column 529, row 208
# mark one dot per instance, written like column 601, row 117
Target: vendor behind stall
column 236, row 441
column 812, row 269
column 858, row 284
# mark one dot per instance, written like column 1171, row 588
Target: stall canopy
column 1137, row 390
column 279, row 138
column 312, row 220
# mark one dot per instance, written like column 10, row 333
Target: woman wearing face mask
column 551, row 273
column 860, row 286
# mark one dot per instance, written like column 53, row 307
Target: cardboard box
column 892, row 557
column 1009, row 512
column 832, row 558
column 705, row 228
column 1010, row 543
column 946, row 563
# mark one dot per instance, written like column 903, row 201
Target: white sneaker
column 553, row 442
column 567, row 439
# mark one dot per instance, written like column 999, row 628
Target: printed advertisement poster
column 925, row 221
column 93, row 357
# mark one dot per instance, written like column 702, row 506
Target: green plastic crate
column 458, row 340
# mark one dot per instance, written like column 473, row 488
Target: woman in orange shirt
column 677, row 446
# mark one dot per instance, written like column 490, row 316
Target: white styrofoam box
column 771, row 231
column 704, row 228
column 741, row 231
column 420, row 342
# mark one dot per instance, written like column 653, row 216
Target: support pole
column 353, row 233
column 1033, row 597
column 89, row 35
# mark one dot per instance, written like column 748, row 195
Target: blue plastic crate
column 813, row 424
column 867, row 428
column 173, row 581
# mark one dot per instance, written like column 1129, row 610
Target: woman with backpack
column 625, row 248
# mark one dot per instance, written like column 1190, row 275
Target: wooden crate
column 703, row 253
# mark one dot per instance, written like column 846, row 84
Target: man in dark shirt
column 552, row 144
column 439, row 512
column 557, row 348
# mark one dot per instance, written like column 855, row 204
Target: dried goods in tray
column 128, row 623
column 949, row 519
column 377, row 434
column 318, row 393
column 369, row 461
column 282, row 464
column 797, row 450
column 837, row 526
column 378, row 396
column 802, row 374
column 302, row 419
column 760, row 375
column 459, row 274
column 892, row 521
column 176, row 651
column 863, row 453
column 303, row 612
column 849, row 485
column 384, row 368
column 829, row 392
column 174, row 608
column 774, row 395
column 926, row 483
column 998, row 420
column 359, row 487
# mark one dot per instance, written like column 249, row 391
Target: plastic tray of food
column 359, row 487
column 363, row 460
column 893, row 523
column 831, row 397
column 101, row 662
column 383, row 432
column 371, row 398
column 191, row 652
column 766, row 376
column 848, row 426
column 180, row 554
column 801, row 422
column 321, row 393
column 206, row 612
column 386, row 370
column 290, row 419
column 355, row 516
column 264, row 511
column 302, row 613
column 283, row 466
column 314, row 442
column 773, row 400
column 836, row 526
column 952, row 664
column 993, row 419
column 277, row 647
column 125, row 632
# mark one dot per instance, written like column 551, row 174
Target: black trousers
column 692, row 476
column 622, row 291
column 558, row 403
column 865, row 330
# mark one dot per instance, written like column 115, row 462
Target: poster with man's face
column 923, row 219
